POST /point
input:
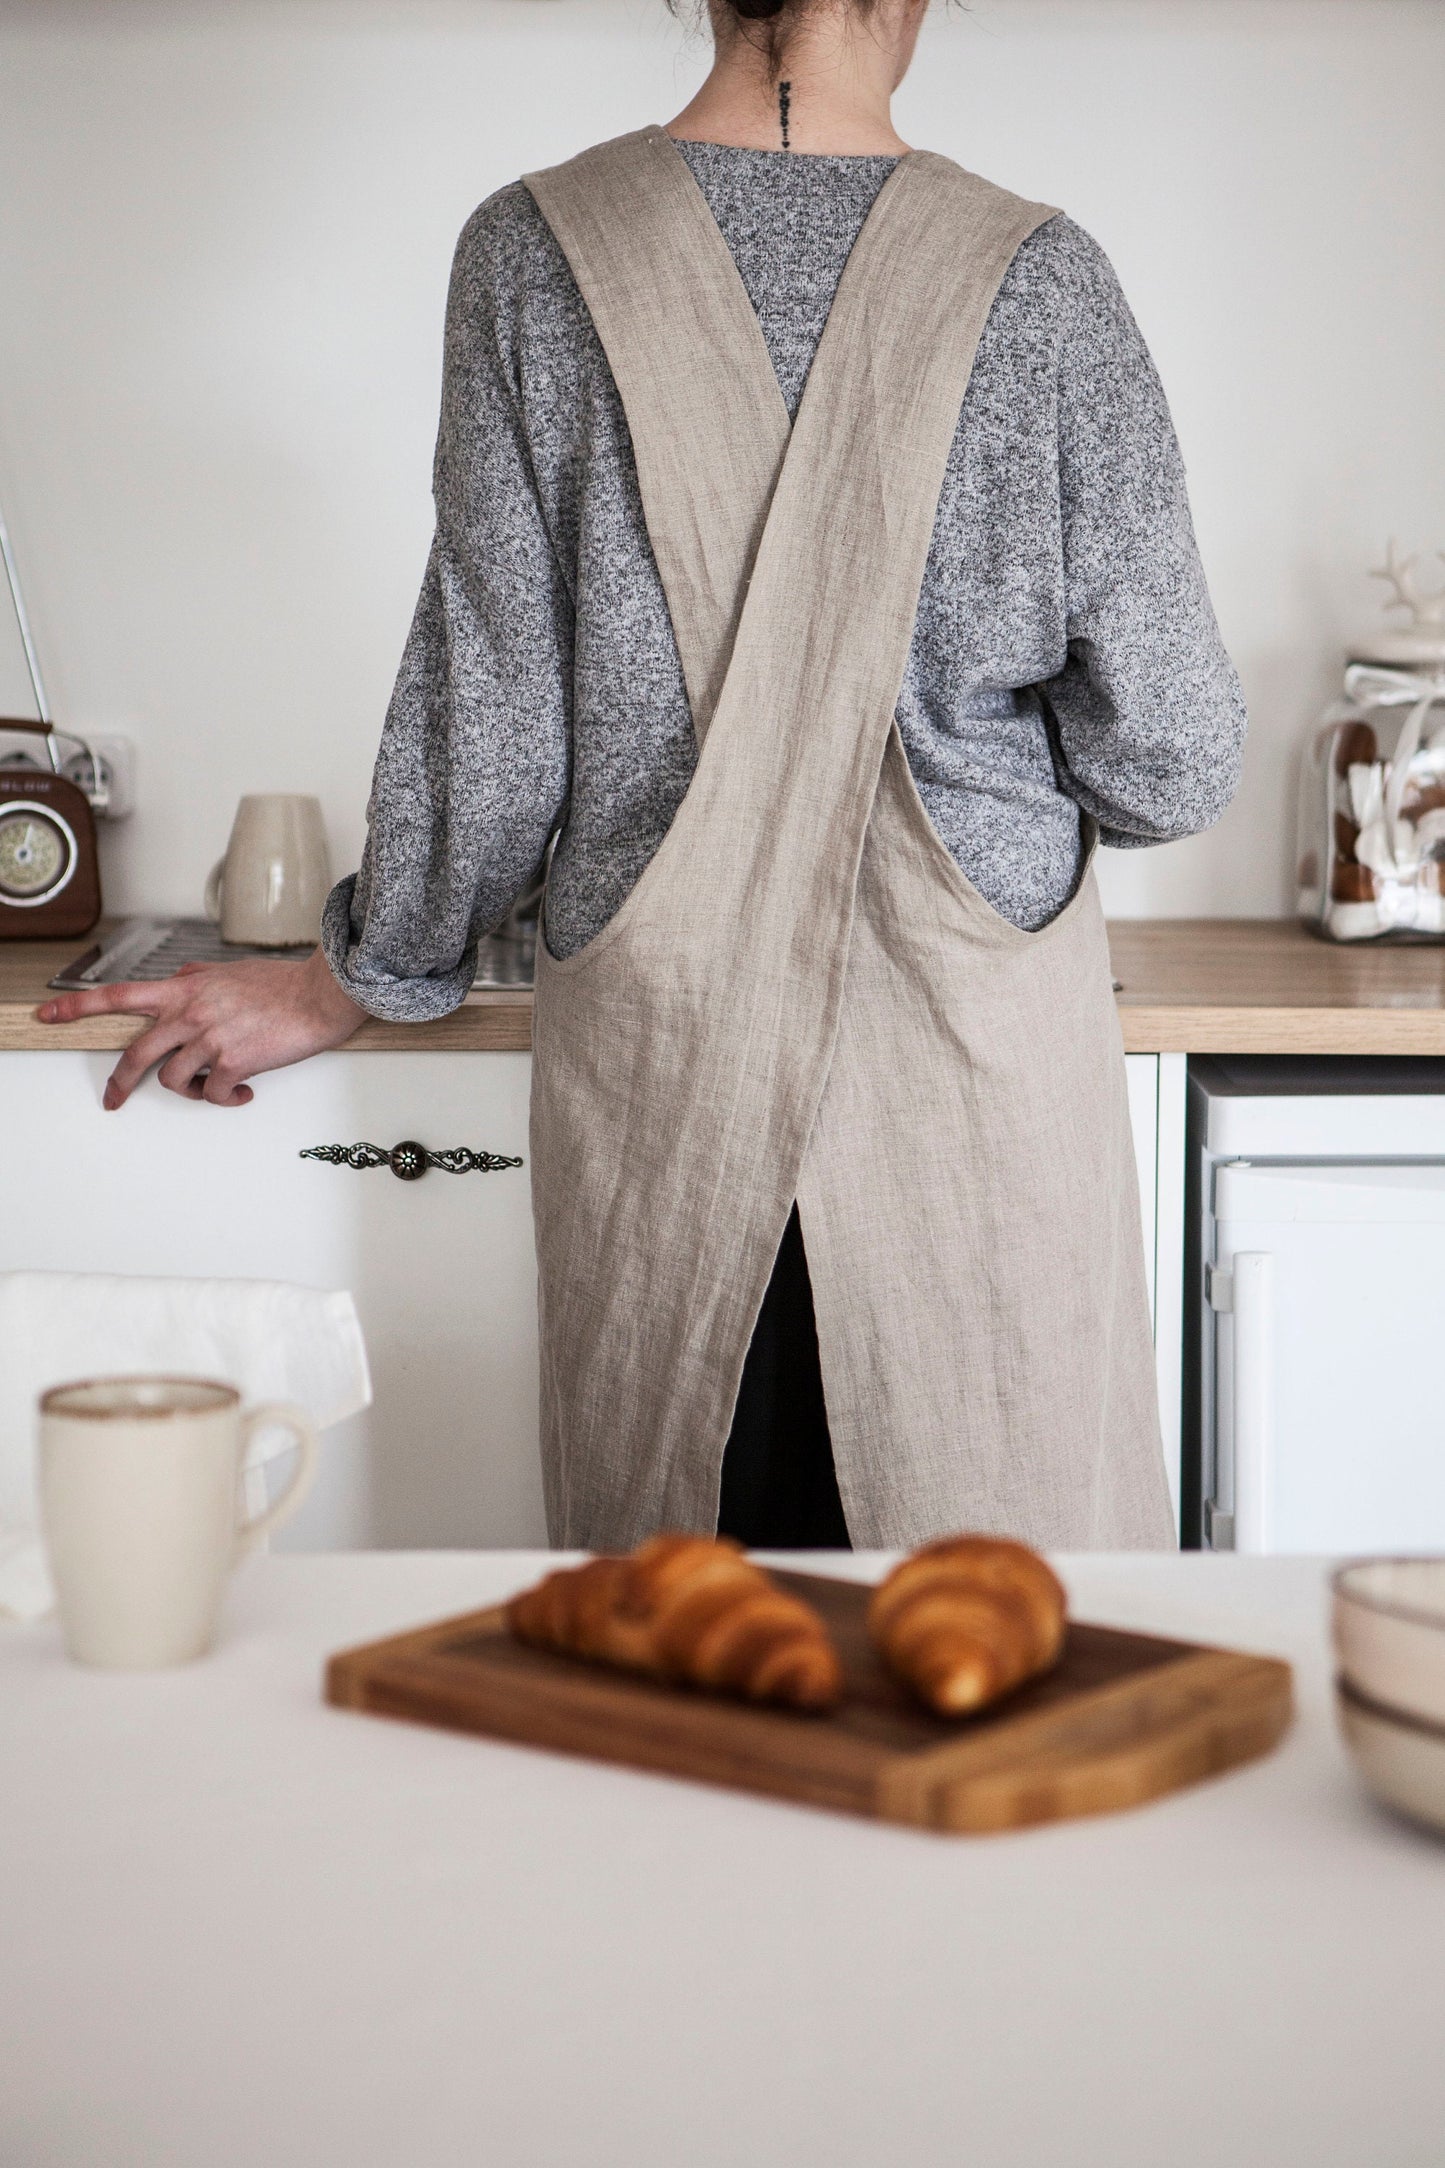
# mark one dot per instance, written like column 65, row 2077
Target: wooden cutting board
column 1123, row 1718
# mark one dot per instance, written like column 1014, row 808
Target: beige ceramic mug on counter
column 139, row 1498
column 269, row 889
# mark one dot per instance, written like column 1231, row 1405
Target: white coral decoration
column 1425, row 609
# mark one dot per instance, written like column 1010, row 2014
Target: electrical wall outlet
column 110, row 785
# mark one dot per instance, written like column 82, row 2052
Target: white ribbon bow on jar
column 1388, row 843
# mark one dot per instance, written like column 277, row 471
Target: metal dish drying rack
column 141, row 949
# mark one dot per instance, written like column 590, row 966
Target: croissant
column 686, row 1608
column 967, row 1619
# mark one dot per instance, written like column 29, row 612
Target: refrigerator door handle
column 1252, row 1305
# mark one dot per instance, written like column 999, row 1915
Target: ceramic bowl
column 1402, row 1763
column 1389, row 1634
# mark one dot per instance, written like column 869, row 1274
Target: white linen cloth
column 271, row 1340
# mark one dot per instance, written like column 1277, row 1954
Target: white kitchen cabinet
column 442, row 1269
column 1157, row 1102
column 1142, row 1071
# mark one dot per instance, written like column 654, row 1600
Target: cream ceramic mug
column 269, row 889
column 139, row 1498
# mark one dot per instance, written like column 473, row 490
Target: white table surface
column 239, row 1929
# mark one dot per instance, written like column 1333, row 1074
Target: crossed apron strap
column 710, row 432
column 688, row 358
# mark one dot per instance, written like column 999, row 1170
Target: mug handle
column 280, row 1415
column 215, row 882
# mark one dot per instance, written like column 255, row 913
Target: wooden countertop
column 486, row 1023
column 1266, row 986
column 1191, row 986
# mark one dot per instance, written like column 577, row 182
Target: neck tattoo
column 785, row 102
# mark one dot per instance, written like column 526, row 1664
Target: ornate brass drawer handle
column 409, row 1161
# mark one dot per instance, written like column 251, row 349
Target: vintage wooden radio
column 49, row 864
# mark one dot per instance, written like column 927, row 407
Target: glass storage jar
column 1371, row 836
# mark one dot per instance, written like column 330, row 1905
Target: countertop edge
column 1150, row 1029
column 485, row 1024
column 505, row 1027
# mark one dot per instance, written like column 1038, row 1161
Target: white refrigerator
column 1319, row 1296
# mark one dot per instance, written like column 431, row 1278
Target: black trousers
column 779, row 1488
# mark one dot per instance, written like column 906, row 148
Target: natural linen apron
column 803, row 997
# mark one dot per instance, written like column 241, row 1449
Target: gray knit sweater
column 1065, row 653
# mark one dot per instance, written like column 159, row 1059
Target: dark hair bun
column 758, row 11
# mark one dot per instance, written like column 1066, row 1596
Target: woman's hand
column 217, row 1024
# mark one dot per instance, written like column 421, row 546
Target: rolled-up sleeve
column 472, row 774
column 1148, row 714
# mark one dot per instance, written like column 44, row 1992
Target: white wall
column 225, row 228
